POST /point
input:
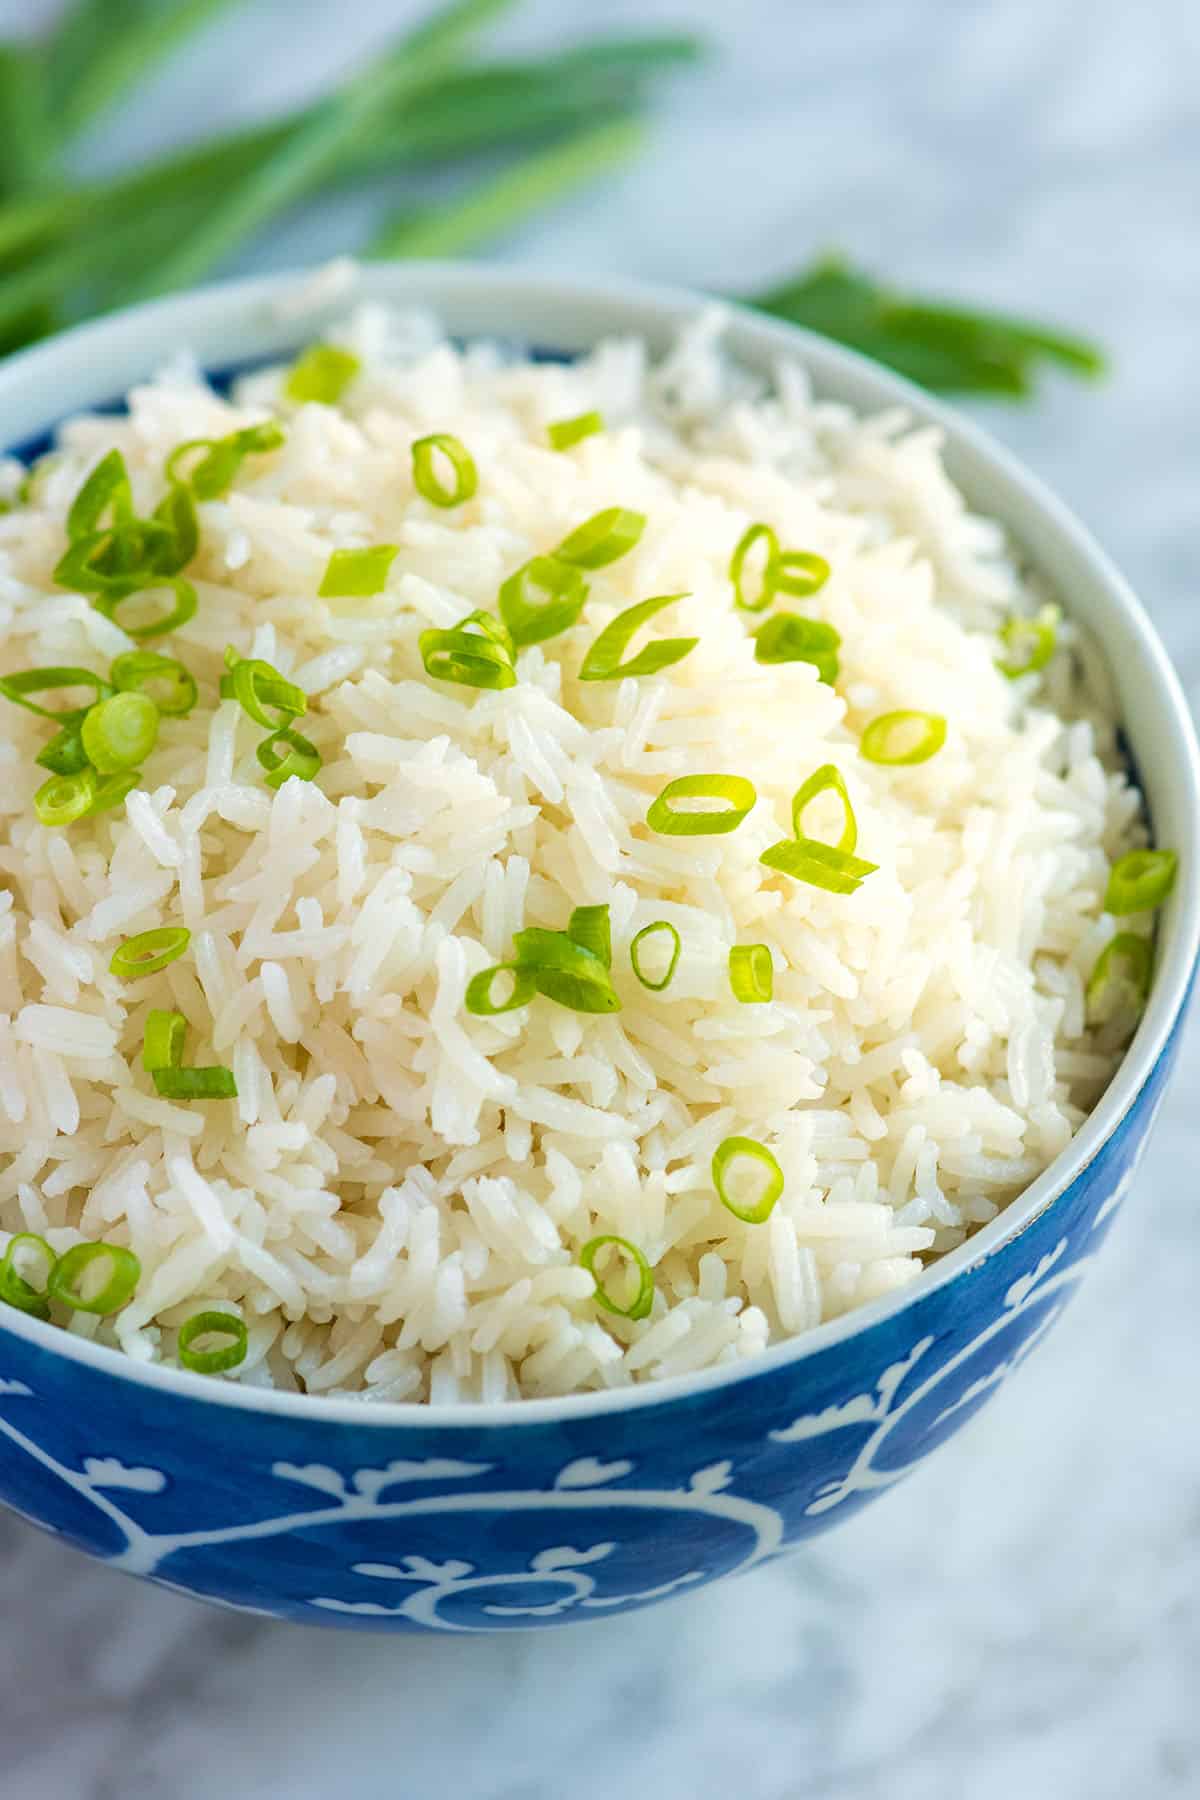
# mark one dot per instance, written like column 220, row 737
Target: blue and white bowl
column 405, row 1517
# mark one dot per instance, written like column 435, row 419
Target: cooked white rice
column 397, row 1199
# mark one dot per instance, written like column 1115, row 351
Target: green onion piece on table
column 149, row 952
column 323, row 373
column 255, row 685
column 1030, row 642
column 565, row 972
column 640, row 1301
column 477, row 652
column 540, row 599
column 284, row 754
column 25, row 682
column 751, row 973
column 736, row 795
column 756, row 1206
column 164, row 679
column 1121, row 976
column 27, row 1255
column 787, row 637
column 591, row 928
column 564, row 434
column 119, row 733
column 1140, row 880
column 355, row 574
column 95, row 1278
column 197, row 1350
column 827, row 779
column 603, row 660
column 603, row 538
column 480, row 998
column 659, row 929
column 426, row 477
column 753, row 534
column 820, row 865
column 900, row 739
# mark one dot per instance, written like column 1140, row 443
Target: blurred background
column 1036, row 159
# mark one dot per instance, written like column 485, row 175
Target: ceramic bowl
column 405, row 1517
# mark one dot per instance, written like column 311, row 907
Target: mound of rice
column 397, row 1199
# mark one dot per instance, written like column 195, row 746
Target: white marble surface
column 1024, row 1616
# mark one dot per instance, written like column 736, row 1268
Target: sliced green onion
column 299, row 757
column 820, row 865
column 1030, row 642
column 751, row 973
column 110, row 790
column 65, row 798
column 95, row 1278
column 827, row 779
column 743, row 1149
column 787, row 637
column 429, row 483
column 195, row 1084
column 479, row 997
column 639, row 1304
column 601, row 539
column 217, row 469
column 1122, row 973
column 119, row 733
column 735, row 791
column 183, row 610
column 64, row 754
column 591, row 928
column 18, row 687
column 15, row 1289
column 899, row 739
column 357, row 573
column 565, row 433
column 176, row 513
column 1140, row 880
column 163, row 1040
column 149, row 951
column 798, row 572
column 218, row 1358
column 564, row 971
column 165, row 680
column 753, row 535
column 541, row 598
column 106, row 487
column 322, row 372
column 660, row 928
column 603, row 660
column 477, row 652
column 255, row 685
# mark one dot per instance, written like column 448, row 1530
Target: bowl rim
column 293, row 300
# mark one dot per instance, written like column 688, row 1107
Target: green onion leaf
column 540, row 599
column 820, row 865
column 477, row 652
column 64, row 754
column 322, row 373
column 827, row 779
column 661, row 928
column 357, row 573
column 603, row 538
column 1121, row 976
column 565, row 433
column 638, row 1304
column 1030, row 642
column 119, row 733
column 751, row 973
column 757, row 1205
column 299, row 757
column 255, row 685
column 734, row 791
column 564, row 971
column 479, row 996
column 899, row 739
column 753, row 534
column 163, row 1040
column 33, row 1255
column 197, row 1352
column 798, row 572
column 426, row 478
column 1140, row 880
column 149, row 951
column 65, row 798
column 787, row 637
column 591, row 928
column 162, row 678
column 106, row 487
column 215, row 472
column 195, row 1084
column 95, row 1278
column 603, row 660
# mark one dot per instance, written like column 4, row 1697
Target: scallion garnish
column 479, row 996
column 787, row 637
column 256, row 685
column 820, row 865
column 355, row 574
column 540, row 599
column 163, row 1040
column 1140, row 880
column 1030, row 642
column 34, row 1256
column 110, row 790
column 736, row 794
column 232, row 1338
column 477, row 652
column 18, row 688
column 428, row 481
column 827, row 779
column 565, row 971
column 638, row 1305
column 603, row 538
column 603, row 660
column 162, row 1057
column 164, row 679
column 65, row 754
column 323, row 373
column 564, row 434
column 149, row 951
column 65, row 798
column 753, row 534
column 591, row 928
column 183, row 609
column 755, row 1207
column 106, row 489
column 1121, row 976
column 95, row 1278
column 899, row 739
column 119, row 733
column 297, row 757
column 751, row 973
column 798, row 572
column 659, row 929
column 216, row 468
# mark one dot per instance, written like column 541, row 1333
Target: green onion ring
column 747, row 1148
column 65, row 798
column 787, row 637
column 19, row 686
column 479, row 990
column 163, row 1040
column 564, row 971
column 752, row 535
column 564, row 434
column 827, row 779
column 119, row 733
column 881, row 741
column 212, row 1324
column 1126, row 963
column 1036, row 637
column 171, row 687
column 357, row 574
column 322, row 373
column 603, row 660
column 426, row 479
column 107, row 486
column 195, row 1084
column 255, row 685
column 72, row 1284
column 643, row 1299
column 1139, row 881
column 751, row 973
column 149, row 951
column 64, row 754
column 798, row 572
column 300, row 757
column 591, row 928
column 740, row 794
column 477, row 652
column 820, row 865
column 635, row 953
column 603, row 538
column 15, row 1289
column 530, row 620
column 183, row 610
